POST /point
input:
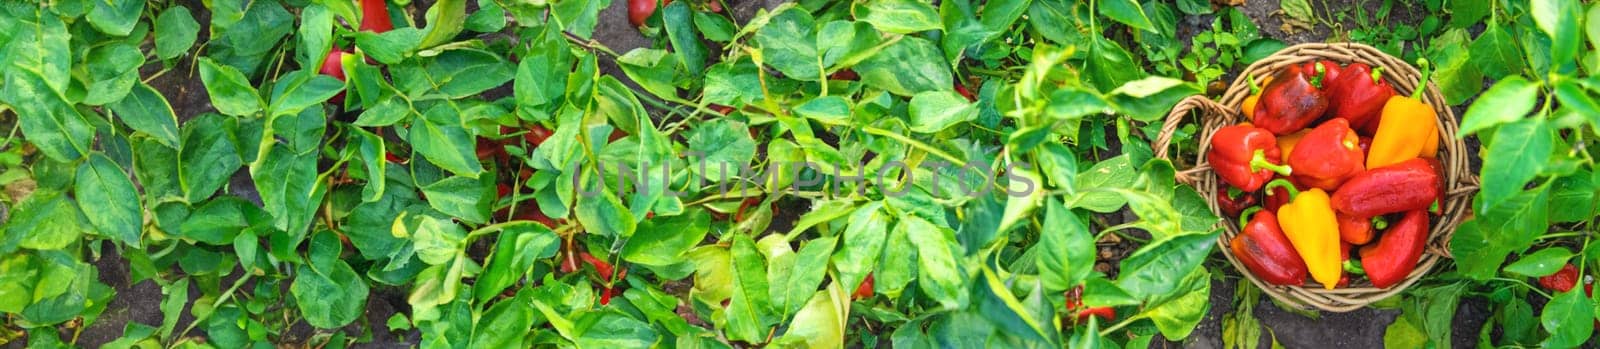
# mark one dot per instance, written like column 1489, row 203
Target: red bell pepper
column 1293, row 100
column 1406, row 186
column 1245, row 156
column 1562, row 280
column 1437, row 207
column 863, row 290
column 333, row 65
column 1232, row 200
column 536, row 135
column 640, row 10
column 1328, row 156
column 375, row 16
column 1355, row 230
column 1262, row 248
column 1074, row 303
column 1397, row 252
column 1278, row 194
column 1359, row 93
column 1330, row 71
column 1349, row 266
column 1106, row 314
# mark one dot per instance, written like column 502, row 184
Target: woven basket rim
column 1460, row 183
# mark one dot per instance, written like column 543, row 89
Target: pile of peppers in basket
column 1337, row 160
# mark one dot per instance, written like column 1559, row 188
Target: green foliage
column 517, row 195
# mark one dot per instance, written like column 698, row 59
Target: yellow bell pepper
column 1430, row 148
column 1407, row 128
column 1249, row 105
column 1287, row 142
column 1309, row 223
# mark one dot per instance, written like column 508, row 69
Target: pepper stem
column 1280, row 182
column 1353, row 268
column 1377, row 75
column 1434, row 208
column 1422, row 84
column 1258, row 162
column 1244, row 217
column 1322, row 72
column 1254, row 87
column 1379, row 223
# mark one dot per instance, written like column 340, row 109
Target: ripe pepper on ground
column 1359, row 94
column 1407, row 129
column 1232, row 200
column 1293, row 100
column 1327, row 156
column 1409, row 185
column 1262, row 248
column 1245, row 156
column 1308, row 222
column 1397, row 252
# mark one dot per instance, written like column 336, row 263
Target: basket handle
column 1175, row 118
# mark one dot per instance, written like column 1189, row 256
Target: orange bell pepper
column 1406, row 130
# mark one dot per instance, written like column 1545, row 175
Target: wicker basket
column 1459, row 180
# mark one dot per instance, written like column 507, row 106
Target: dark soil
column 1363, row 328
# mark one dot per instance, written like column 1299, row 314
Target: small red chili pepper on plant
column 640, row 10
column 1074, row 304
column 375, row 16
column 864, row 290
column 536, row 135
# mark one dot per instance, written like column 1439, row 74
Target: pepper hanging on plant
column 1407, row 128
column 1409, row 185
column 1360, row 92
column 1397, row 252
column 1262, row 248
column 1295, row 99
column 1327, row 156
column 1308, row 222
column 375, row 16
column 1245, row 156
